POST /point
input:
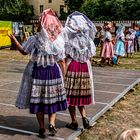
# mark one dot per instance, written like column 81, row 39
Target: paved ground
column 110, row 85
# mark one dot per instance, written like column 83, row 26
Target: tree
column 90, row 8
column 132, row 9
column 111, row 9
column 73, row 5
column 15, row 10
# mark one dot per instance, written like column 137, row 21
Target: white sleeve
column 108, row 36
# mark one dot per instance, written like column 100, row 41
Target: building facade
column 40, row 5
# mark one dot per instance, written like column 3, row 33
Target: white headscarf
column 79, row 36
column 120, row 32
column 49, row 41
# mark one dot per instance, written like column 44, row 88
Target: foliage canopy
column 106, row 9
column 15, row 10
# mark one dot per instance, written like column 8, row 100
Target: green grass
column 125, row 62
column 124, row 114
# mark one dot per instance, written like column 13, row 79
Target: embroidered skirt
column 48, row 94
column 77, row 84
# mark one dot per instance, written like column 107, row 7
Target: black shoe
column 86, row 124
column 41, row 133
column 52, row 130
column 73, row 126
column 101, row 65
column 109, row 64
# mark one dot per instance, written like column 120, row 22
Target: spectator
column 107, row 44
column 130, row 134
column 137, row 38
column 119, row 48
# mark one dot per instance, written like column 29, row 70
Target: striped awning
column 117, row 21
column 101, row 21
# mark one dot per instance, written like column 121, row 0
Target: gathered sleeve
column 29, row 45
column 108, row 36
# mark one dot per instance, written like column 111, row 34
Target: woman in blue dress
column 119, row 48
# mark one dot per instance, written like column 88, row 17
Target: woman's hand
column 12, row 37
column 18, row 45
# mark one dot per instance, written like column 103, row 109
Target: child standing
column 119, row 48
column 107, row 48
column 130, row 42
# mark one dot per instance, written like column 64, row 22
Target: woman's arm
column 62, row 65
column 18, row 45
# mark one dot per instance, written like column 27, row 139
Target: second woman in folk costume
column 79, row 35
column 119, row 48
column 47, row 93
column 107, row 48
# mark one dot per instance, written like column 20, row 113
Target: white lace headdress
column 80, row 33
column 49, row 41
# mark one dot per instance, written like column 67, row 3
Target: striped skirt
column 48, row 94
column 77, row 84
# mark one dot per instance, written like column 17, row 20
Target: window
column 61, row 9
column 49, row 1
column 41, row 8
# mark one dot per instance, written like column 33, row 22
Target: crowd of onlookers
column 123, row 42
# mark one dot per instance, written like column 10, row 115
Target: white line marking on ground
column 11, row 105
column 18, row 130
column 67, row 114
column 126, row 72
column 113, row 77
column 3, row 61
column 7, row 80
column 27, row 132
column 101, row 103
column 107, row 91
column 13, row 68
column 8, row 90
column 8, row 83
column 60, row 113
column 112, row 84
column 56, row 138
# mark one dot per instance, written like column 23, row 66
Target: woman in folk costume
column 107, row 48
column 79, row 33
column 119, row 48
column 130, row 42
column 46, row 94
